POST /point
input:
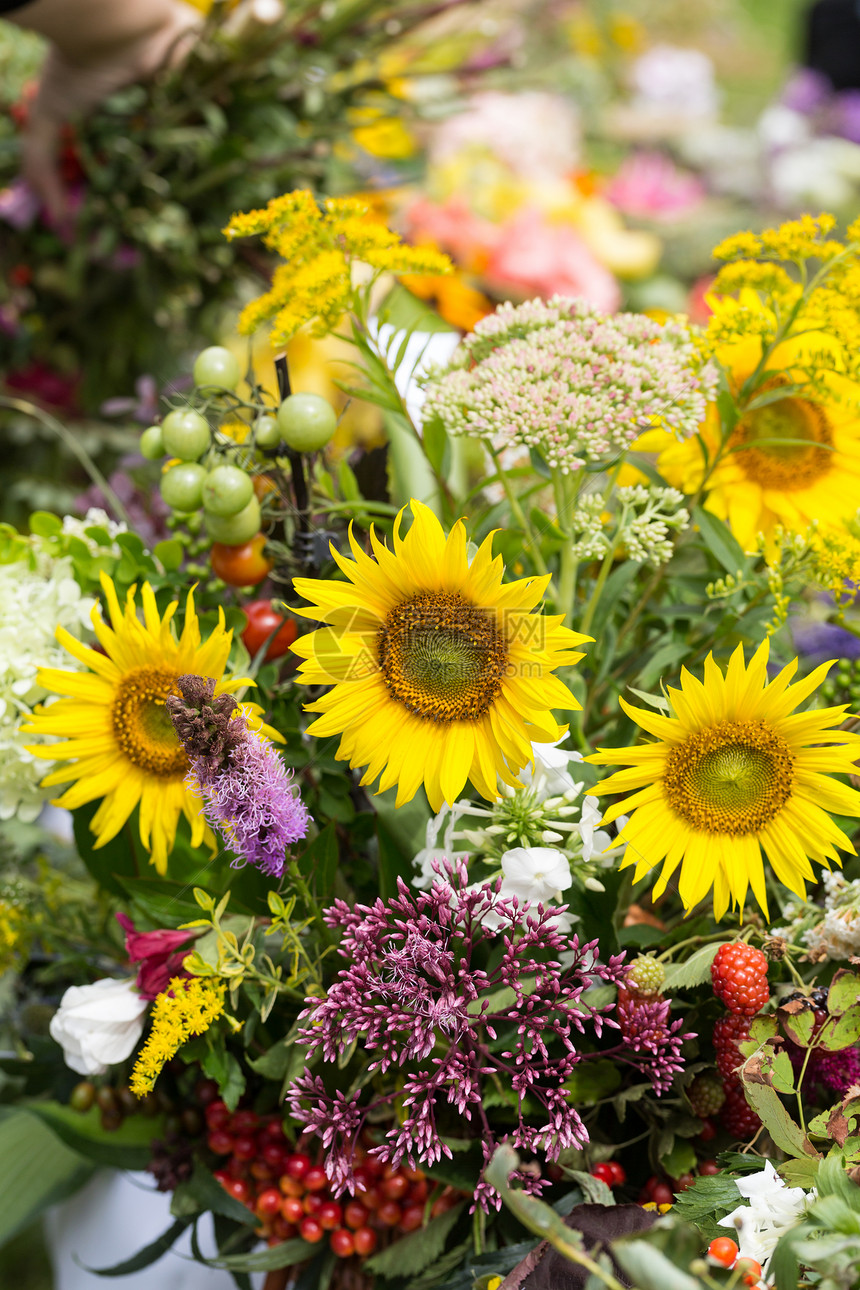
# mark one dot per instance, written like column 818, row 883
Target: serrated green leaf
column 413, row 1253
column 593, row 1189
column 693, row 971
column 707, row 1200
column 842, row 1031
column 844, row 991
column 798, row 1025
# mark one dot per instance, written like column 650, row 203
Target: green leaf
column 663, row 660
column 783, row 1268
column 318, row 863
column 693, row 971
column 116, row 860
column 437, row 445
column 202, row 1191
column 705, row 1201
column 787, row 1135
column 127, row 1147
column 591, row 1081
column 277, row 1256
column 720, row 541
column 842, row 1031
column 650, row 1269
column 681, row 1159
column 593, row 1189
column 844, row 991
column 41, row 1170
column 412, row 1254
column 169, row 554
column 223, row 1067
column 798, row 1025
column 149, row 1254
column 783, row 1073
column 45, row 524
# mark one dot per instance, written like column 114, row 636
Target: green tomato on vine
column 307, row 422
column 217, row 367
column 185, row 434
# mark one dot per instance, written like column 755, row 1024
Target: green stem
column 568, row 563
column 38, row 414
column 311, row 906
column 531, row 541
column 594, row 600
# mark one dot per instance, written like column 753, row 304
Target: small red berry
column 330, row 1214
column 269, row 1202
column 389, row 1213
column 420, row 1190
column 297, row 1165
column 412, row 1218
column 662, row 1194
column 603, row 1171
column 290, row 1186
column 261, row 1171
column 292, row 1209
column 342, row 1243
column 217, row 1115
column 239, row 1189
column 369, row 1197
column 355, row 1215
column 313, row 1203
column 244, row 1122
column 619, row 1175
column 707, row 1131
column 245, row 1147
column 739, row 976
column 395, row 1187
column 310, row 1229
column 709, row 1168
column 315, row 1178
column 750, row 1270
column 723, row 1250
column 275, row 1155
column 220, row 1142
column 683, row 1182
column 365, row 1241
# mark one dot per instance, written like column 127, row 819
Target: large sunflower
column 121, row 746
column 790, row 460
column 733, row 772
column 440, row 673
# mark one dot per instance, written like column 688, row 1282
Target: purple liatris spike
column 246, row 789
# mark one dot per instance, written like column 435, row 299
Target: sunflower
column 792, row 459
column 441, row 674
column 121, row 745
column 734, row 772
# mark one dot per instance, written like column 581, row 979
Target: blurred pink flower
column 453, row 227
column 536, row 256
column 648, row 185
column 19, row 205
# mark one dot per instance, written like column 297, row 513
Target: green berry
column 152, row 444
column 227, row 490
column 645, row 975
column 706, row 1095
column 307, row 422
column 182, row 486
column 83, row 1096
column 185, row 434
column 267, row 432
column 234, row 530
column 216, row 366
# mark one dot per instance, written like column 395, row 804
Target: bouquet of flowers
column 363, row 952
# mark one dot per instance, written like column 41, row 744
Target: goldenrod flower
column 441, row 673
column 735, row 771
column 119, row 740
column 319, row 247
column 188, row 1007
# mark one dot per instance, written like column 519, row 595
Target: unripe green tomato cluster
column 307, row 422
column 217, row 367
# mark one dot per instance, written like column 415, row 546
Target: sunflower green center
column 142, row 725
column 786, row 444
column 734, row 777
column 441, row 657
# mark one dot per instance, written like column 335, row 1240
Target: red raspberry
column 728, row 1033
column 705, row 1095
column 738, row 1116
column 739, row 974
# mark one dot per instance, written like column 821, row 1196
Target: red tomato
column 240, row 566
column 263, row 620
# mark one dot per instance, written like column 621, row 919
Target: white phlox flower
column 772, row 1211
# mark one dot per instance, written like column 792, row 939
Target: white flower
column 94, row 518
column 37, row 595
column 773, row 1210
column 99, row 1024
column 535, row 873
column 550, row 776
column 431, row 854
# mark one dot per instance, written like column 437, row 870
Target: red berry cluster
column 610, row 1172
column 290, row 1194
column 739, row 974
column 659, row 1191
column 737, row 1115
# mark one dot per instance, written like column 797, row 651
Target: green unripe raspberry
column 706, row 1095
column 645, row 975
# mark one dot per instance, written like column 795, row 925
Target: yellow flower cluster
column 796, row 240
column 319, row 245
column 12, row 934
column 187, row 1007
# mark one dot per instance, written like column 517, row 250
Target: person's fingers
column 39, row 163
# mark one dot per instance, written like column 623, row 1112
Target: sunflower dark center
column 142, row 725
column 786, row 444
column 735, row 777
column 441, row 657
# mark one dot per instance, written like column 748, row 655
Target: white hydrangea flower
column 94, row 518
column 35, row 598
column 837, row 936
column 772, row 1211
